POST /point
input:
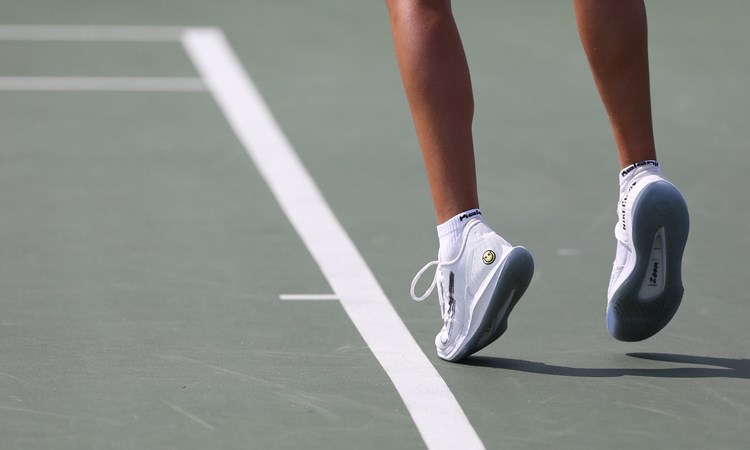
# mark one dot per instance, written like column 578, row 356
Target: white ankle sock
column 451, row 232
column 641, row 168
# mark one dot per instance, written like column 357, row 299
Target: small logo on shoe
column 488, row 257
column 652, row 280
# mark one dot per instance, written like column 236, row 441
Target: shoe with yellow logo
column 477, row 290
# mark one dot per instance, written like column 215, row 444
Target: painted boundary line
column 88, row 33
column 435, row 411
column 116, row 84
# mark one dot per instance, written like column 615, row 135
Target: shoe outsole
column 631, row 318
column 514, row 279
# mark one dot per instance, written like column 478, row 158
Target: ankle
column 450, row 233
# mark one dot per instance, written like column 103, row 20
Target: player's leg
column 436, row 78
column 646, row 284
column 615, row 37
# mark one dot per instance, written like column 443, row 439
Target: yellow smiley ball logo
column 488, row 257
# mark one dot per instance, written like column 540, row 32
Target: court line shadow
column 719, row 367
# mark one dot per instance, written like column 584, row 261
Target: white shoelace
column 419, row 274
column 444, row 307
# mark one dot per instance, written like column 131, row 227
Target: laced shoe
column 645, row 288
column 477, row 290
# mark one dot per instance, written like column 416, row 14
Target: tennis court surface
column 212, row 212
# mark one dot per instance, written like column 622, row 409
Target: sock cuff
column 631, row 168
column 457, row 222
column 450, row 233
column 636, row 171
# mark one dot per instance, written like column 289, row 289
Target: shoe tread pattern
column 629, row 317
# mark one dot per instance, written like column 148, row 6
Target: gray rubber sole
column 513, row 282
column 629, row 317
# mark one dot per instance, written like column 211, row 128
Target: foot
column 477, row 290
column 646, row 289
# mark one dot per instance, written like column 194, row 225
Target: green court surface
column 143, row 253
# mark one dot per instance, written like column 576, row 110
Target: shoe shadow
column 710, row 367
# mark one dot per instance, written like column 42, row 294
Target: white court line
column 435, row 411
column 132, row 84
column 308, row 297
column 88, row 33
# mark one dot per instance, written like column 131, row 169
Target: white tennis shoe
column 646, row 289
column 477, row 290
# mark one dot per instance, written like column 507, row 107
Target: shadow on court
column 719, row 367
